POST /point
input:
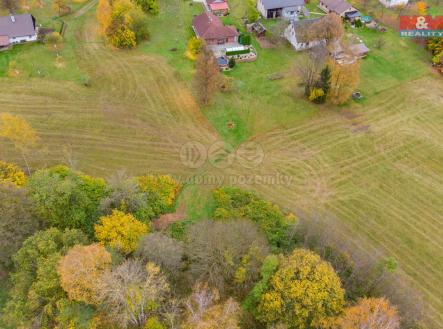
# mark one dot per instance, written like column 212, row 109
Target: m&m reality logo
column 421, row 26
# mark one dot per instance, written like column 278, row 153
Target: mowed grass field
column 376, row 165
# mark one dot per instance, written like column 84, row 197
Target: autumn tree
column 81, row 270
column 370, row 313
column 205, row 311
column 207, row 76
column 61, row 7
column 329, row 28
column 162, row 250
column 104, row 14
column 124, row 195
column 278, row 227
column 194, row 47
column 160, row 191
column 121, row 231
column 344, row 79
column 16, row 221
column 36, row 289
column 226, row 254
column 17, row 130
column 308, row 68
column 149, row 6
column 10, row 5
column 303, row 291
column 67, row 199
column 11, row 173
column 132, row 293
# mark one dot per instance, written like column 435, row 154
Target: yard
column 375, row 165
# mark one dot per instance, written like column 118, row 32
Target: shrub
column 195, row 46
column 10, row 173
column 244, row 39
column 236, row 203
column 161, row 192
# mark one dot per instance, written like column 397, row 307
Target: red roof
column 209, row 26
column 4, row 40
column 219, row 5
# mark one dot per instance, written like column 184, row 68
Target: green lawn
column 36, row 60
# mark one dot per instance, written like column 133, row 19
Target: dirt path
column 164, row 221
column 83, row 10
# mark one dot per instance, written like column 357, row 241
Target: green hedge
column 238, row 52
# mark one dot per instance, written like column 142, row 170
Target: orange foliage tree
column 370, row 313
column 81, row 270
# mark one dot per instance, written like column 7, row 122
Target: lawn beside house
column 36, row 60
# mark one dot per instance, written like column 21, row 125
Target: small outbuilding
column 359, row 50
column 257, row 28
column 218, row 7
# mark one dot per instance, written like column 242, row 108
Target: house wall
column 289, row 34
column 23, row 39
column 261, row 9
column 322, row 6
column 393, row 3
column 220, row 41
column 291, row 12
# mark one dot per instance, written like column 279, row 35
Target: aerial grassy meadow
column 375, row 165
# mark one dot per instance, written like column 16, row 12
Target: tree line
column 81, row 252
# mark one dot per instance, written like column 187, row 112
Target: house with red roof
column 210, row 28
column 218, row 7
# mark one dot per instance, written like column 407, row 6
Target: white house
column 393, row 3
column 296, row 34
column 286, row 9
column 17, row 29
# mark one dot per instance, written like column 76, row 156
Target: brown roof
column 209, row 26
column 338, row 6
column 17, row 25
column 4, row 40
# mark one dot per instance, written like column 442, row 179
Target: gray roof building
column 17, row 26
column 272, row 4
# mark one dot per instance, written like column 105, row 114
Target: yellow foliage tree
column 195, row 45
column 370, row 313
column 422, row 7
column 315, row 94
column 302, row 293
column 16, row 129
column 104, row 15
column 10, row 173
column 121, row 231
column 344, row 80
column 164, row 187
column 81, row 270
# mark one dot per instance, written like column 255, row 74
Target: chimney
column 12, row 18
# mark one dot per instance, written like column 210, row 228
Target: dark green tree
column 16, row 221
column 67, row 199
